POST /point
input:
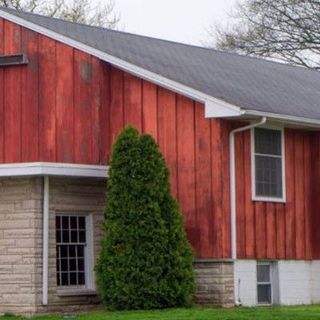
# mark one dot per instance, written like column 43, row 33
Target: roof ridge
column 262, row 60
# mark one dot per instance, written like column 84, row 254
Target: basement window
column 267, row 283
column 74, row 251
column 264, row 283
column 268, row 165
column 13, row 60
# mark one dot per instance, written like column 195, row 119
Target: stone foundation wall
column 214, row 280
column 20, row 235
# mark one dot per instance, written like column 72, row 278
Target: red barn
column 240, row 135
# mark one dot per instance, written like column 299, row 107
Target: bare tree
column 83, row 11
column 286, row 30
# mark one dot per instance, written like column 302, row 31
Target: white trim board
column 53, row 169
column 213, row 107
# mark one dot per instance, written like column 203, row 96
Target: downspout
column 233, row 209
column 45, row 241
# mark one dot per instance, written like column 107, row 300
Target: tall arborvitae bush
column 145, row 260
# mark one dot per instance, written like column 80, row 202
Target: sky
column 177, row 20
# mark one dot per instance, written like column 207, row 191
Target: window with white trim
column 72, row 246
column 268, row 162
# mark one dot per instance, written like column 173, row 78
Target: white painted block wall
column 245, row 283
column 315, row 281
column 295, row 282
column 298, row 282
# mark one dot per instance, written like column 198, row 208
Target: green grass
column 281, row 313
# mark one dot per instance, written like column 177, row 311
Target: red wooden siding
column 315, row 197
column 67, row 106
column 269, row 230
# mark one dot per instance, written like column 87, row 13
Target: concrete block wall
column 294, row 282
column 295, row 285
column 20, row 218
column 315, row 281
column 245, row 282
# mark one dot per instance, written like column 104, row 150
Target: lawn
column 281, row 313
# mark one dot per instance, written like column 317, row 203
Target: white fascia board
column 53, row 169
column 214, row 108
column 313, row 123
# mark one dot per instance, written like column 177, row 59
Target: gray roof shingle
column 250, row 83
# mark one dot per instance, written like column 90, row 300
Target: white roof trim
column 214, row 107
column 284, row 118
column 53, row 169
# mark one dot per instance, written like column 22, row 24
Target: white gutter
column 45, row 257
column 233, row 208
column 313, row 123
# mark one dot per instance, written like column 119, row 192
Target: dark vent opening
column 13, row 60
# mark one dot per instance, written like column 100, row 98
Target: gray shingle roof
column 250, row 83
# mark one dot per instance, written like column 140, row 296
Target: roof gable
column 228, row 84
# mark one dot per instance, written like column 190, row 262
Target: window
column 268, row 165
column 74, row 262
column 264, row 284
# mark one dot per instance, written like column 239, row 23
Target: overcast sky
column 178, row 20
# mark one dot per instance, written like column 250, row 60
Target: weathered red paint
column 68, row 106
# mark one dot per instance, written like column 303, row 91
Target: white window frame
column 271, row 282
column 88, row 255
column 256, row 197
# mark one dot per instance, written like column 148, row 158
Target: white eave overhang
column 53, row 169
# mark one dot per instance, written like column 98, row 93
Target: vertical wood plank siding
column 67, row 106
column 268, row 230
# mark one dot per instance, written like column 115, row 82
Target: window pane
column 267, row 141
column 73, row 222
column 65, row 236
column 64, row 265
column 73, row 278
column 268, row 176
column 64, row 251
column 80, row 264
column 65, row 223
column 81, row 278
column 80, row 251
column 72, row 251
column 263, row 273
column 82, row 222
column 73, row 264
column 264, row 294
column 82, row 236
column 64, row 279
column 74, row 236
